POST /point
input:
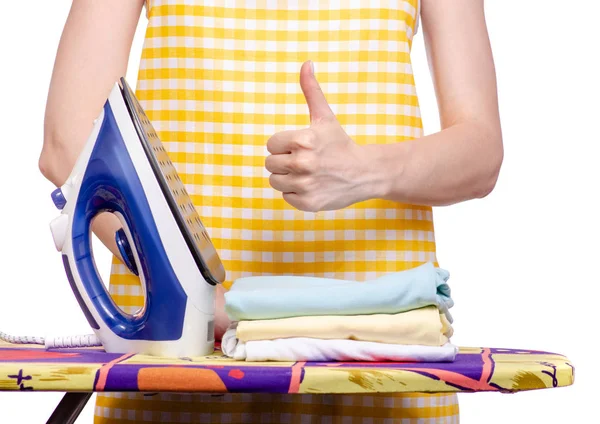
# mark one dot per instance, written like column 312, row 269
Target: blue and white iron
column 124, row 169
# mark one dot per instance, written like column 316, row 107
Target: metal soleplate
column 177, row 197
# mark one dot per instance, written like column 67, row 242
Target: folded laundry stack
column 402, row 316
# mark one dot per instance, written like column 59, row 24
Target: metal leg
column 69, row 408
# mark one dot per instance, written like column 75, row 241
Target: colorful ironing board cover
column 86, row 370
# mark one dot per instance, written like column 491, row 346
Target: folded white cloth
column 309, row 349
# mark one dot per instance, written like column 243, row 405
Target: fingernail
column 312, row 67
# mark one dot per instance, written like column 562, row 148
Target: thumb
column 315, row 99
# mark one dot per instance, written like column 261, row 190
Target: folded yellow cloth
column 424, row 326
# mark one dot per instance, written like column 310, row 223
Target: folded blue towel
column 272, row 297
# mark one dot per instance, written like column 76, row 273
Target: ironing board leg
column 69, row 408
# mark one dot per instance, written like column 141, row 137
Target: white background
column 522, row 261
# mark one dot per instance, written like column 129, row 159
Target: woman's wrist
column 383, row 166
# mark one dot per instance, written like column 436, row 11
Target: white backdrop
column 522, row 260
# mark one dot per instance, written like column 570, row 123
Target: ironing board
column 80, row 372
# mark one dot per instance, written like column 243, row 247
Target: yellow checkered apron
column 217, row 79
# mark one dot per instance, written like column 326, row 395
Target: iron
column 125, row 170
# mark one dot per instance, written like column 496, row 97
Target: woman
column 230, row 88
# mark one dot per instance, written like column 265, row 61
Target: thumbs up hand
column 320, row 167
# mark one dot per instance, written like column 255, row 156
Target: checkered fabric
column 217, row 79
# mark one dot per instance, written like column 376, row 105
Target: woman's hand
column 221, row 319
column 320, row 167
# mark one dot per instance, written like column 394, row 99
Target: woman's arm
column 463, row 160
column 92, row 55
column 321, row 168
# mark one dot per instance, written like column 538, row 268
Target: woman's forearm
column 92, row 55
column 457, row 164
column 462, row 161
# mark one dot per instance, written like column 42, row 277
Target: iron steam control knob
column 59, row 199
column 60, row 196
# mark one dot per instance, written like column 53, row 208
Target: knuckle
column 307, row 138
column 302, row 206
column 303, row 185
column 302, row 203
column 301, row 165
column 308, row 163
column 309, row 204
column 296, row 141
column 295, row 167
